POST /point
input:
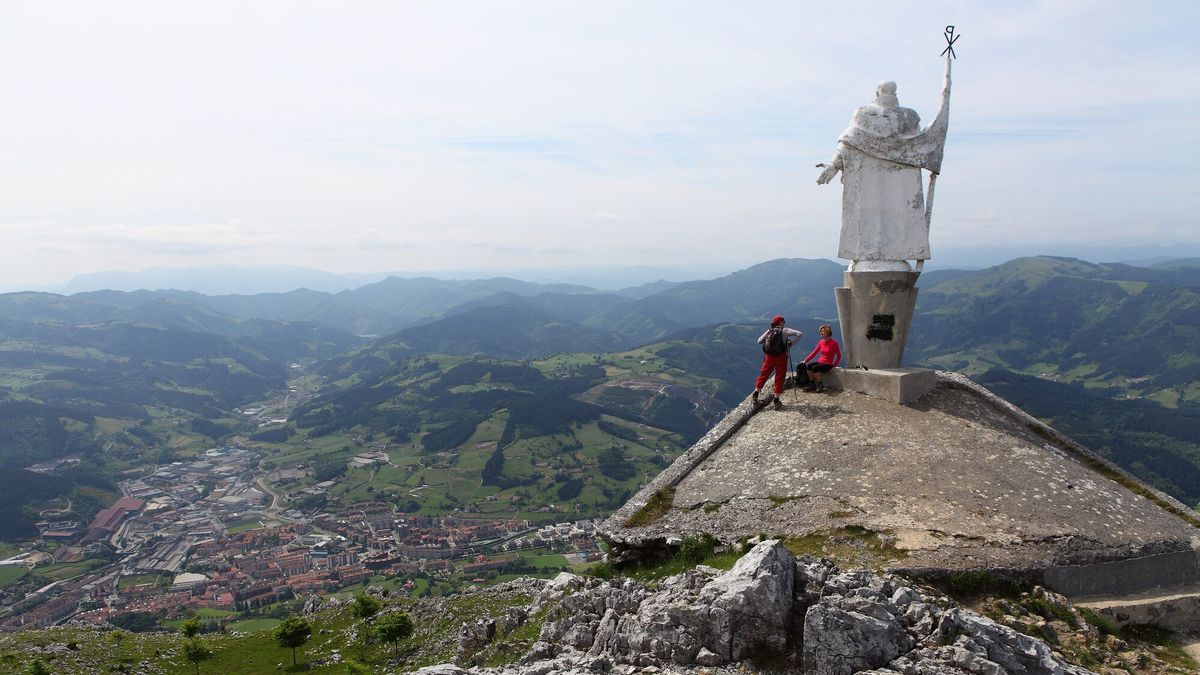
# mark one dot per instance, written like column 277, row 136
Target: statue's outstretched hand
column 827, row 175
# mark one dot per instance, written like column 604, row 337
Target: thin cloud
column 441, row 135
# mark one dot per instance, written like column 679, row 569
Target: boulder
column 1013, row 651
column 839, row 641
column 751, row 604
column 475, row 636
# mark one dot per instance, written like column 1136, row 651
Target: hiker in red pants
column 775, row 343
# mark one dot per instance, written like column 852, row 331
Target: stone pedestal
column 875, row 310
column 899, row 385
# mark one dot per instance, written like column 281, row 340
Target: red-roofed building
column 107, row 520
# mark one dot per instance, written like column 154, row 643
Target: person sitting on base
column 775, row 343
column 830, row 354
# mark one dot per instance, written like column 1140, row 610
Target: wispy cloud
column 424, row 135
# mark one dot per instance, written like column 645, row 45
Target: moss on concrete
column 659, row 504
column 852, row 546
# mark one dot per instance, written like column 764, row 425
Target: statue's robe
column 883, row 204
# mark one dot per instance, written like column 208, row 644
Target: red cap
column 777, row 320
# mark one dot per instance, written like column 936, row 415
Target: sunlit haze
column 410, row 137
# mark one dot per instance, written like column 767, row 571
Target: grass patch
column 810, row 544
column 244, row 526
column 853, row 545
column 1051, row 611
column 254, row 625
column 60, row 571
column 1102, row 623
column 976, row 583
column 11, row 573
column 693, row 550
column 659, row 504
column 140, row 579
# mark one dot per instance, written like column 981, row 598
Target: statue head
column 885, row 94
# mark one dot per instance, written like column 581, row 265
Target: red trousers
column 778, row 363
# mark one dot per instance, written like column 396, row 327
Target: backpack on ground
column 775, row 342
column 801, row 378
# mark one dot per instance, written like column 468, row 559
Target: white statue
column 885, row 220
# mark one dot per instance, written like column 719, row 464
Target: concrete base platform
column 899, row 385
column 958, row 480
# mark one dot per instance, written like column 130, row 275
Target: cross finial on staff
column 951, row 38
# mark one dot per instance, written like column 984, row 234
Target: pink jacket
column 829, row 350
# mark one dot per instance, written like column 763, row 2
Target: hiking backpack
column 775, row 343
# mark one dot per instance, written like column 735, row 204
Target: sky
column 412, row 137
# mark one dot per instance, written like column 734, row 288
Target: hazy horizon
column 249, row 280
column 423, row 137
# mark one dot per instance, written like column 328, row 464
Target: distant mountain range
column 638, row 314
column 1108, row 353
column 254, row 280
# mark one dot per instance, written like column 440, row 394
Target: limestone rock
column 441, row 669
column 475, row 636
column 514, row 617
column 1012, row 651
column 312, row 604
column 801, row 612
column 839, row 641
column 753, row 603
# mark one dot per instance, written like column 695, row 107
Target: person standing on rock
column 775, row 344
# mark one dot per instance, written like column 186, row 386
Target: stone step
column 1175, row 609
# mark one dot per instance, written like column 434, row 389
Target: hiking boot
column 777, row 403
column 754, row 397
column 820, row 389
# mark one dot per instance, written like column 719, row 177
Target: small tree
column 393, row 628
column 292, row 633
column 195, row 651
column 365, row 606
column 191, row 627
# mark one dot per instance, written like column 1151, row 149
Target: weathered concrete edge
column 1064, row 442
column 1118, row 577
column 614, row 532
column 681, row 468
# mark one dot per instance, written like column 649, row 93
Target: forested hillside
column 556, row 395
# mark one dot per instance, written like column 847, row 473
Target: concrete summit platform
column 960, row 478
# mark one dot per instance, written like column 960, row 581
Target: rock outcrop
column 772, row 611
